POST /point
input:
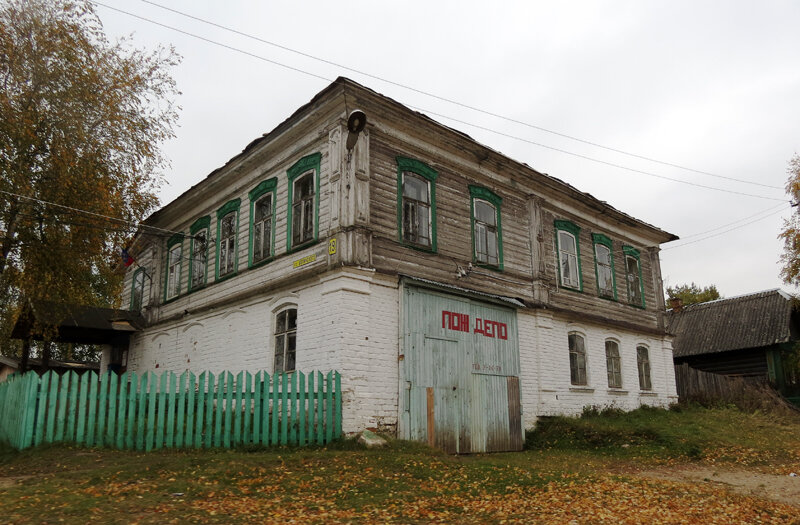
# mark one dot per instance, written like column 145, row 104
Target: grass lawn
column 584, row 470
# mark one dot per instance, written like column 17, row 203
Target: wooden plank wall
column 453, row 226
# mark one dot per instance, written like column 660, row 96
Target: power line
column 722, row 232
column 86, row 212
column 585, row 157
column 781, row 206
column 448, row 100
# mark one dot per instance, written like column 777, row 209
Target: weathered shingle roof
column 748, row 321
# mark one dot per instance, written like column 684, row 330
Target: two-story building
column 461, row 294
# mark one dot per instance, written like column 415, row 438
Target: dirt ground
column 781, row 488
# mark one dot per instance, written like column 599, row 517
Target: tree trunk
column 26, row 352
column 46, row 356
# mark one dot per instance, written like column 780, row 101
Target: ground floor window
column 285, row 340
column 577, row 359
column 643, row 360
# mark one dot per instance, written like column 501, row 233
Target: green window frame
column 227, row 252
column 633, row 276
column 613, row 364
column 257, row 243
column 174, row 260
column 566, row 230
column 577, row 359
column 412, row 209
column 198, row 252
column 137, row 290
column 604, row 266
column 296, row 235
column 643, row 364
column 484, row 229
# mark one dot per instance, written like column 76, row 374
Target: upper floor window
column 613, row 364
column 198, row 262
column 285, row 340
column 604, row 266
column 262, row 220
column 487, row 242
column 227, row 229
column 303, row 212
column 633, row 275
column 643, row 363
column 174, row 259
column 137, row 290
column 569, row 254
column 577, row 359
column 416, row 203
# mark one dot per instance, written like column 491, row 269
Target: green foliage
column 692, row 294
column 790, row 260
column 81, row 121
column 687, row 431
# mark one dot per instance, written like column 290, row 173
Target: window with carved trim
column 569, row 254
column 303, row 201
column 487, row 241
column 137, row 290
column 174, row 260
column 416, row 203
column 633, row 275
column 604, row 266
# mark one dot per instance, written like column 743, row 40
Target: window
column 643, row 362
column 227, row 228
column 613, row 364
column 604, row 266
column 416, row 203
column 285, row 340
column 577, row 359
column 569, row 254
column 303, row 201
column 137, row 290
column 198, row 262
column 262, row 220
column 174, row 252
column 487, row 242
column 633, row 274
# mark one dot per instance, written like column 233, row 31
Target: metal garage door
column 461, row 372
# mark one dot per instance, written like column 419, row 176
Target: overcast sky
column 713, row 86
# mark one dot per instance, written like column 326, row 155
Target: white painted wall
column 348, row 321
column 546, row 388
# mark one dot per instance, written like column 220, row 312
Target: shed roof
column 82, row 324
column 748, row 321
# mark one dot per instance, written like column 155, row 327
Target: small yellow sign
column 332, row 247
column 305, row 260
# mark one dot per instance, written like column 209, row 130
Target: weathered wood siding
column 589, row 300
column 453, row 222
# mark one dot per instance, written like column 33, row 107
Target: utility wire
column 772, row 208
column 722, row 232
column 78, row 210
column 448, row 100
column 585, row 157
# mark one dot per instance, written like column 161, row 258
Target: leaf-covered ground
column 580, row 478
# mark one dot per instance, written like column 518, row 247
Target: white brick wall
column 546, row 388
column 348, row 321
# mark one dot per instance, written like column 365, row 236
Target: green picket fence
column 149, row 411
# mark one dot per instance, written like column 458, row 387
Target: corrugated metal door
column 461, row 368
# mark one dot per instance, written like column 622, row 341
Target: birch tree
column 82, row 120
